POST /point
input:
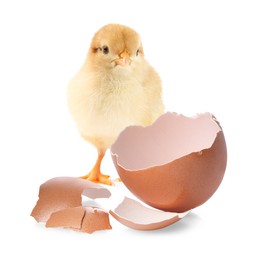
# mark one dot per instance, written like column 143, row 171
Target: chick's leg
column 95, row 175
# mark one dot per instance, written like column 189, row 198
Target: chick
column 115, row 88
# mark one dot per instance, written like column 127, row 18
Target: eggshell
column 67, row 218
column 85, row 219
column 95, row 219
column 133, row 214
column 64, row 192
column 176, row 164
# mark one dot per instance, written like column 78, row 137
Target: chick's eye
column 105, row 49
column 137, row 52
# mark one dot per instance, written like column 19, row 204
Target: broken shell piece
column 85, row 219
column 64, row 192
column 95, row 219
column 133, row 214
column 67, row 218
column 175, row 164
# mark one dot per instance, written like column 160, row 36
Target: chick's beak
column 124, row 59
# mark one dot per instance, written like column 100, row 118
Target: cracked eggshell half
column 133, row 214
column 175, row 164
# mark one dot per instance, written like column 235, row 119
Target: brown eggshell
column 95, row 219
column 176, row 164
column 67, row 218
column 133, row 214
column 85, row 219
column 64, row 192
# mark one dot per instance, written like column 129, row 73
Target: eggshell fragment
column 67, row 218
column 95, row 219
column 85, row 219
column 64, row 192
column 133, row 214
column 176, row 164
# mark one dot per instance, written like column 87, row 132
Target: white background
column 208, row 56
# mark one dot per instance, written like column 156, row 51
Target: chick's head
column 116, row 47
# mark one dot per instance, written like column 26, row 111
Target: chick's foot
column 97, row 177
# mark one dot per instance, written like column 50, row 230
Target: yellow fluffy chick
column 115, row 88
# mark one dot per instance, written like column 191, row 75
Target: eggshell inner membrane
column 135, row 215
column 171, row 137
column 136, row 212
